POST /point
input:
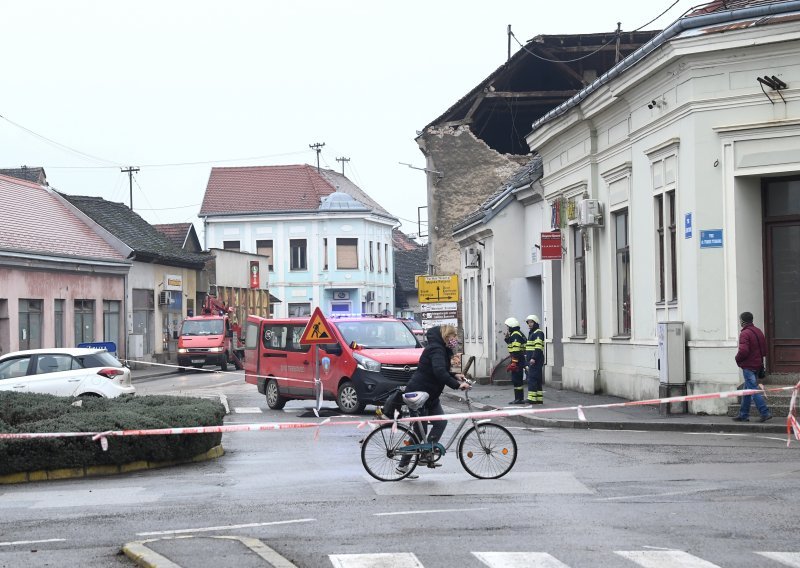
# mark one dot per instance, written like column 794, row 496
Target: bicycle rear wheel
column 380, row 452
column 487, row 451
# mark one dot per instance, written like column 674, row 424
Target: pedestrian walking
column 750, row 358
column 515, row 340
column 534, row 360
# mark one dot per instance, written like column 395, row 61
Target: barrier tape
column 218, row 371
column 793, row 428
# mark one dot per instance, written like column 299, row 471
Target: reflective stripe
column 516, row 342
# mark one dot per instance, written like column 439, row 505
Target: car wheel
column 347, row 399
column 275, row 400
column 224, row 364
column 89, row 395
column 181, row 369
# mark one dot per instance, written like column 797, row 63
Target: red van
column 371, row 356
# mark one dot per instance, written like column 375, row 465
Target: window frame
column 298, row 248
column 261, row 249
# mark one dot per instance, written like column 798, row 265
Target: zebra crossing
column 643, row 558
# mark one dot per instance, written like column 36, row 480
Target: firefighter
column 534, row 360
column 515, row 340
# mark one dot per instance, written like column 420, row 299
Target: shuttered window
column 347, row 253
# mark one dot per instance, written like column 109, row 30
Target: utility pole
column 317, row 147
column 343, row 160
column 619, row 29
column 130, row 170
column 508, row 33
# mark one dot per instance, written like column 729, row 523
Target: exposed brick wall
column 472, row 171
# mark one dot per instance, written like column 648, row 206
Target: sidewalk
column 491, row 397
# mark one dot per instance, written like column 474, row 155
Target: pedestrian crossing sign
column 317, row 330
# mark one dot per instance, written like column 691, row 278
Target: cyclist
column 431, row 376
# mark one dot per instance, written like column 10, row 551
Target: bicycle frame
column 420, row 428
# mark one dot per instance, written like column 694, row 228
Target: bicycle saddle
column 415, row 400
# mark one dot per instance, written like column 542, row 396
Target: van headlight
column 366, row 363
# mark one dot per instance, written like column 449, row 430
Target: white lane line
column 224, row 528
column 787, row 558
column 275, row 560
column 519, row 560
column 429, row 511
column 716, row 434
column 378, row 560
column 247, row 410
column 665, row 559
column 20, row 542
column 670, row 494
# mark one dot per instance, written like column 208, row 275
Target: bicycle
column 485, row 450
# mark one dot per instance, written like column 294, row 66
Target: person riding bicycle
column 431, row 376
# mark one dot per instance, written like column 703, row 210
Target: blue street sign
column 711, row 239
column 687, row 226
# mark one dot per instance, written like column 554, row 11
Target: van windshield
column 377, row 334
column 202, row 327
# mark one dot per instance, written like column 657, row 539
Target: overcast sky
column 163, row 85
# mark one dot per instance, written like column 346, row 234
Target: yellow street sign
column 433, row 289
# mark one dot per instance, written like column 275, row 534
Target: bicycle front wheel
column 382, row 451
column 487, row 451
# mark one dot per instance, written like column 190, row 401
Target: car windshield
column 202, row 327
column 377, row 334
column 413, row 325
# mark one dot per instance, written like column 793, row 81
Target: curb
column 103, row 470
column 648, row 426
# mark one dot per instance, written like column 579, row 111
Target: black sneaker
column 765, row 418
column 743, row 419
column 402, row 470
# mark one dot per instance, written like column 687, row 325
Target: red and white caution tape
column 793, row 428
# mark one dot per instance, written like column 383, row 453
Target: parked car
column 370, row 357
column 65, row 372
column 416, row 329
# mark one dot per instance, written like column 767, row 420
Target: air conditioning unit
column 473, row 258
column 590, row 213
column 165, row 298
column 370, row 297
column 340, row 295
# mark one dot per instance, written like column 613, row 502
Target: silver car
column 65, row 372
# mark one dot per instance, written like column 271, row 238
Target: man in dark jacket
column 534, row 360
column 750, row 358
column 432, row 375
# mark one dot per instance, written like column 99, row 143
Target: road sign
column 440, row 307
column 317, row 330
column 436, row 289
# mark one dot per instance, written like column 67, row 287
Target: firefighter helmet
column 533, row 318
column 511, row 322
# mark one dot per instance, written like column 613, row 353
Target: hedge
column 24, row 412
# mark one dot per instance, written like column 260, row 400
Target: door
column 782, row 273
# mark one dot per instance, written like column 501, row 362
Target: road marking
column 648, row 495
column 247, row 410
column 378, row 560
column 788, row 558
column 20, row 542
column 461, row 483
column 665, row 559
column 137, row 551
column 519, row 560
column 62, row 498
column 715, row 434
column 275, row 560
column 224, row 527
column 425, row 512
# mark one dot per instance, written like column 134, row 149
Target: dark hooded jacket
column 433, row 372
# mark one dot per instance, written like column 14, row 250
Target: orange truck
column 212, row 338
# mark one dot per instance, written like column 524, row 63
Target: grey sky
column 151, row 83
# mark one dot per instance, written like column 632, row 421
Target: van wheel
column 274, row 398
column 347, row 399
column 224, row 365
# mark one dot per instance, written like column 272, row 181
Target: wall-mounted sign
column 551, row 245
column 711, row 238
column 255, row 283
column 687, row 226
column 435, row 289
column 173, row 282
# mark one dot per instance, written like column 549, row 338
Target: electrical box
column 135, row 346
column 671, row 353
column 590, row 213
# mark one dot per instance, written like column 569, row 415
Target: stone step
column 777, row 410
column 780, row 380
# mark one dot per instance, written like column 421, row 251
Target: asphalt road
column 575, row 498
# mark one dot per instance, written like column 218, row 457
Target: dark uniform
column 534, row 359
column 515, row 341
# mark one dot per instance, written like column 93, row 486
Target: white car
column 65, row 372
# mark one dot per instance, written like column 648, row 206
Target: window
column 664, row 180
column 264, row 247
column 480, row 308
column 386, row 255
column 84, row 321
column 231, row 245
column 467, row 304
column 143, row 317
column 580, row 283
column 30, row 324
column 371, row 263
column 58, row 323
column 324, row 254
column 378, row 252
column 297, row 250
column 299, row 310
column 623, row 273
column 111, row 314
column 346, row 254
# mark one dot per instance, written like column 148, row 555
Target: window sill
column 577, row 337
column 620, row 338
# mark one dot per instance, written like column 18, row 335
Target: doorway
column 782, row 272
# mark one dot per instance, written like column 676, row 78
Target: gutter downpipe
column 672, row 31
